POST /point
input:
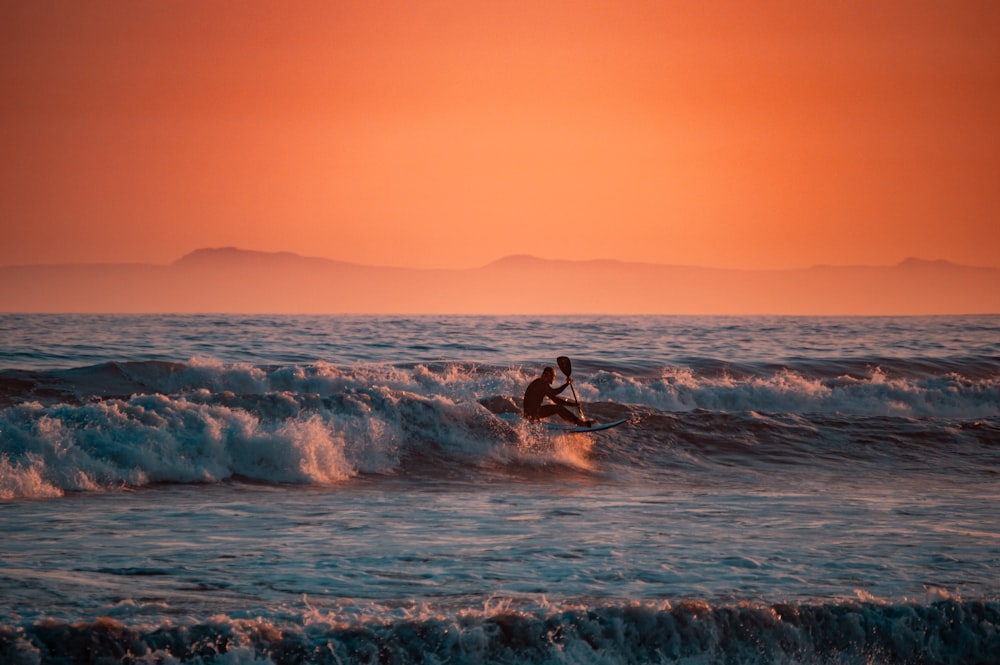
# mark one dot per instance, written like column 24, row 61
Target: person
column 539, row 389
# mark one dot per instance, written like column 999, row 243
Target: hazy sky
column 735, row 133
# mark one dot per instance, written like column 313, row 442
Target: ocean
column 340, row 489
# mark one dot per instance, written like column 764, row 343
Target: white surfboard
column 514, row 418
column 596, row 427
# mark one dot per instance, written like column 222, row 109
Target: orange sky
column 748, row 134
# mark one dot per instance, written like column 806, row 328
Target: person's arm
column 553, row 394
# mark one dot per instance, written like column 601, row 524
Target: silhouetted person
column 539, row 389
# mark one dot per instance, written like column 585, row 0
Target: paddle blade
column 565, row 365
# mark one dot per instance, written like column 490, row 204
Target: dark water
column 340, row 489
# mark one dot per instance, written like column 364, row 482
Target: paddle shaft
column 567, row 367
column 577, row 399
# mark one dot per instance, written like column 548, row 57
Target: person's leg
column 558, row 410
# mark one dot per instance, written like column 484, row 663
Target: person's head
column 549, row 374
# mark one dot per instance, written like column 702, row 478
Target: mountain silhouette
column 232, row 280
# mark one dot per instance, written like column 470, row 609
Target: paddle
column 567, row 368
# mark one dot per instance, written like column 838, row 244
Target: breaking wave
column 948, row 631
column 131, row 424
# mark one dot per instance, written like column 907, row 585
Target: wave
column 315, row 425
column 956, row 387
column 133, row 424
column 206, row 437
column 948, row 631
column 870, row 390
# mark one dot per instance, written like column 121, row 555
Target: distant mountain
column 234, row 257
column 235, row 280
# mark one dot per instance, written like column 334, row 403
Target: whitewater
column 342, row 489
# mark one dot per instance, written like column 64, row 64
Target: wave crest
column 941, row 632
column 136, row 423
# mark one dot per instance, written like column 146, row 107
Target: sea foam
column 693, row 632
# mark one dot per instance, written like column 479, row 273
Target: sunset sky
column 747, row 134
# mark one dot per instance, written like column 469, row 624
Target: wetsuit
column 536, row 393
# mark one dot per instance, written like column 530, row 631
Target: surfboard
column 513, row 418
column 597, row 427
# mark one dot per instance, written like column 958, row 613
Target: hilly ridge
column 232, row 280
